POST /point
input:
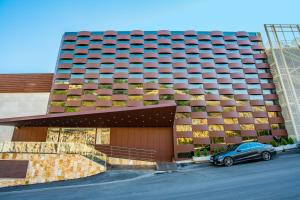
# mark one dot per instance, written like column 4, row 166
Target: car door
column 241, row 153
column 253, row 151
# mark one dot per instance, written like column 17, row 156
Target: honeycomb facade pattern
column 220, row 81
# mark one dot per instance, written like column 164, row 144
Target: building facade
column 214, row 88
column 284, row 58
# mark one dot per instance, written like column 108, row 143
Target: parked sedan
column 243, row 152
column 298, row 145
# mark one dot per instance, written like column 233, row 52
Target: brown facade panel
column 13, row 168
column 30, row 134
column 12, row 83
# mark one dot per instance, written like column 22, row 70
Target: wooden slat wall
column 30, row 134
column 11, row 83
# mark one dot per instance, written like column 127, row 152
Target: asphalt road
column 275, row 179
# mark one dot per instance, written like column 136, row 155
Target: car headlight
column 220, row 158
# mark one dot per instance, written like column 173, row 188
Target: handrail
column 54, row 148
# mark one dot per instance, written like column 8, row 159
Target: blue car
column 243, row 152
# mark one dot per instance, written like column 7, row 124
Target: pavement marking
column 75, row 186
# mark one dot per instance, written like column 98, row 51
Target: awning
column 161, row 115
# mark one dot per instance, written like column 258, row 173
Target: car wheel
column 228, row 161
column 266, row 156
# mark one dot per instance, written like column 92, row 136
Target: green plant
column 283, row 141
column 216, row 150
column 290, row 140
column 205, row 152
column 274, row 143
column 197, row 153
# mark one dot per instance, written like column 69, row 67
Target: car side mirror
column 238, row 150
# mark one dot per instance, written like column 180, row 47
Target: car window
column 243, row 147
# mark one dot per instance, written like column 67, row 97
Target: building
column 284, row 58
column 168, row 91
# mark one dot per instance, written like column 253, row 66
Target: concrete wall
column 18, row 105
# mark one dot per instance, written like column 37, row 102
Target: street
column 275, row 179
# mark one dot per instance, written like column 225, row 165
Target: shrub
column 274, row 143
column 290, row 140
column 283, row 141
column 197, row 153
column 216, row 150
column 205, row 152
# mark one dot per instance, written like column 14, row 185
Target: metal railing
column 54, row 148
column 127, row 152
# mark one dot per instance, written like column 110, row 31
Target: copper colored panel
column 164, row 41
column 120, row 75
column 63, row 76
column 208, row 65
column 246, row 51
column 255, row 38
column 200, row 127
column 244, row 108
column 199, row 115
column 232, row 46
column 242, row 34
column 235, row 65
column 135, row 91
column 135, row 80
column 151, row 75
column 120, row 86
column 166, row 91
column 265, row 138
column 262, row 66
column 66, row 56
column 230, row 38
column 270, row 96
column 95, row 46
column 182, row 97
column 184, row 134
column 25, row 83
column 73, row 103
column 178, row 46
column 228, row 127
column 204, row 37
column 13, row 168
column 68, row 47
column 210, row 86
column 262, row 127
column 241, row 96
column 69, row 38
column 135, row 103
column 104, row 91
column 119, row 97
column 218, row 42
column 225, row 91
column 192, row 51
column 60, row 87
column 205, row 46
column 104, row 103
column 96, row 37
column 195, row 80
column 197, row 103
column 215, row 121
column 254, row 91
column 76, row 81
column 244, row 42
column 191, row 41
column 222, row 70
column 150, row 46
column 92, row 65
column 82, row 42
column 89, row 108
column 279, row 133
column 193, row 60
column 165, row 60
column 233, row 140
column 88, row 97
column 274, row 108
column 180, row 86
column 150, row 37
column 183, row 121
column 163, row 32
column 177, row 37
column 58, row 97
column 165, row 70
column 276, row 120
column 268, row 86
column 239, row 86
column 232, row 114
column 216, row 134
column 216, row 33
column 214, row 108
column 246, row 120
column 75, row 92
column 64, row 66
column 196, row 91
column 151, row 85
column 184, row 148
column 212, row 97
column 201, row 140
column 151, row 97
column 183, row 109
column 257, row 102
column 248, row 133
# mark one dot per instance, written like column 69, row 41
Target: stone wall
column 51, row 167
column 19, row 105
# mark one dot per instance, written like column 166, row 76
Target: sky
column 31, row 30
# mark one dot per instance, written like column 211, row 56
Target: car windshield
column 232, row 147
